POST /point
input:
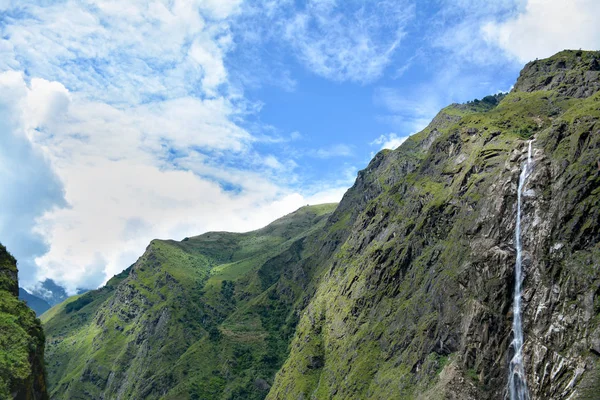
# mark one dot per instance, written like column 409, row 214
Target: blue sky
column 123, row 121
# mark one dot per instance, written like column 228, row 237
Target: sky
column 124, row 121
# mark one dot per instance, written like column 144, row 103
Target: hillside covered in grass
column 208, row 317
column 21, row 340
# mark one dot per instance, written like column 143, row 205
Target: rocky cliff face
column 417, row 303
column 22, row 373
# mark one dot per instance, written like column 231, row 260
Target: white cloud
column 390, row 141
column 272, row 162
column 46, row 102
column 122, row 51
column 409, row 110
column 337, row 150
column 295, row 135
column 456, row 29
column 28, row 185
column 348, row 40
column 332, row 195
column 545, row 27
column 220, row 8
column 127, row 130
column 395, row 101
column 119, row 195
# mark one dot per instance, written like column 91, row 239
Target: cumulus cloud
column 119, row 194
column 544, row 27
column 125, row 128
column 29, row 187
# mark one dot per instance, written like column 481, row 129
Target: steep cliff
column 205, row 318
column 22, row 374
column 417, row 303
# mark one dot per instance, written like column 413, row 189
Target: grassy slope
column 21, row 339
column 388, row 319
column 208, row 317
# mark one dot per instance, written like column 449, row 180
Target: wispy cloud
column 409, row 110
column 388, row 141
column 338, row 40
column 121, row 51
column 338, row 150
column 348, row 40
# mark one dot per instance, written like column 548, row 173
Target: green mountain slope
column 208, row 317
column 402, row 291
column 21, row 340
column 417, row 303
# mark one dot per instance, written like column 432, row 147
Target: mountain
column 50, row 292
column 417, row 303
column 22, row 373
column 405, row 290
column 208, row 317
column 38, row 305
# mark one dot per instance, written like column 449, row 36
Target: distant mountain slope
column 38, row 305
column 50, row 292
column 21, row 340
column 208, row 317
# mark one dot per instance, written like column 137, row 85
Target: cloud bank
column 125, row 128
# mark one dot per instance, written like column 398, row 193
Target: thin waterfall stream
column 517, row 384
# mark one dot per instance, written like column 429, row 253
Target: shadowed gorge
column 405, row 290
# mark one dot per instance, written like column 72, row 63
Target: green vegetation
column 208, row 317
column 415, row 300
column 402, row 291
column 21, row 339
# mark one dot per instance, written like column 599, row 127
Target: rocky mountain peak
column 573, row 73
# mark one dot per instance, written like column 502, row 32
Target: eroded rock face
column 418, row 300
column 571, row 73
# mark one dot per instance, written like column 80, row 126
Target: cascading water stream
column 517, row 385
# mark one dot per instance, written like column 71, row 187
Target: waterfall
column 517, row 384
